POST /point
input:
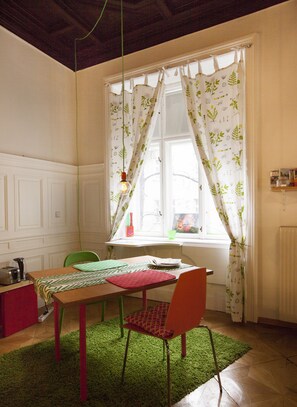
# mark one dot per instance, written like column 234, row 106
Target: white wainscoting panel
column 26, row 244
column 33, row 263
column 57, row 202
column 38, row 211
column 92, row 200
column 72, row 205
column 4, row 247
column 3, row 202
column 56, row 259
column 28, row 203
column 92, row 208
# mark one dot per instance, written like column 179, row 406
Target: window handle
column 201, row 228
column 160, row 213
column 200, row 187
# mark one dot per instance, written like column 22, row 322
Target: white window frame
column 167, row 216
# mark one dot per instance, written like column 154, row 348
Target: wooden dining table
column 90, row 294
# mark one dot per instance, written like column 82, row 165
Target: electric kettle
column 20, row 261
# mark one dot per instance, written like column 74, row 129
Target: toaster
column 9, row 275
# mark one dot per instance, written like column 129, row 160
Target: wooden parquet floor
column 265, row 377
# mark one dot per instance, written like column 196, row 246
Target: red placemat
column 140, row 278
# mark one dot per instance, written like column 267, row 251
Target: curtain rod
column 184, row 59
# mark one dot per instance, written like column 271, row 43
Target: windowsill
column 144, row 241
column 211, row 243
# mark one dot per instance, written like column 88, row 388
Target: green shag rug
column 30, row 377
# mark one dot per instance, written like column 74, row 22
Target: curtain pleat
column 215, row 105
column 141, row 106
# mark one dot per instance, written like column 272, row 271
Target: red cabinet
column 18, row 307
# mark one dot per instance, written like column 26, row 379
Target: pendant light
column 125, row 186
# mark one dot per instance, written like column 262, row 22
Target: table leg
column 83, row 352
column 144, row 300
column 57, row 331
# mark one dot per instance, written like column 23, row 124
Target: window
column 172, row 192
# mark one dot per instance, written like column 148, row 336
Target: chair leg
column 144, row 300
column 126, row 354
column 102, row 310
column 168, row 374
column 61, row 319
column 215, row 358
column 121, row 306
column 214, row 355
column 183, row 345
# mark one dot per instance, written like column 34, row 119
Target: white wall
column 37, row 103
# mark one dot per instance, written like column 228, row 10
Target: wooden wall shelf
column 279, row 189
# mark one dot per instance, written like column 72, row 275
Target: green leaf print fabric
column 215, row 105
column 140, row 110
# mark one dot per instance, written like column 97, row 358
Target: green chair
column 80, row 257
column 86, row 257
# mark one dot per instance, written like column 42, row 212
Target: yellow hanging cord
column 123, row 84
column 76, row 116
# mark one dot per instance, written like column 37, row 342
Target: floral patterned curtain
column 215, row 105
column 140, row 110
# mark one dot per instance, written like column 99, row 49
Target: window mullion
column 201, row 199
column 163, row 186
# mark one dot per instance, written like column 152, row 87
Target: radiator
column 288, row 274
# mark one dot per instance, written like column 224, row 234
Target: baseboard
column 277, row 322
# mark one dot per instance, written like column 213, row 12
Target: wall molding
column 38, row 212
column 10, row 160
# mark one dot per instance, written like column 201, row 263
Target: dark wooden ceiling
column 53, row 25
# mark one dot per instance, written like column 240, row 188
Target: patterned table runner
column 46, row 286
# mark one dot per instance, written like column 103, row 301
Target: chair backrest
column 188, row 302
column 80, row 257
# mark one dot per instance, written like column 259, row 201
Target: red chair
column 166, row 321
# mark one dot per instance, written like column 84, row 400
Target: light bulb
column 125, row 186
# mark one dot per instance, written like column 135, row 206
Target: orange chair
column 166, row 321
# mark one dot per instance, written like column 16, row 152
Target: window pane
column 147, row 202
column 183, row 186
column 168, row 195
column 176, row 116
column 213, row 224
column 157, row 128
